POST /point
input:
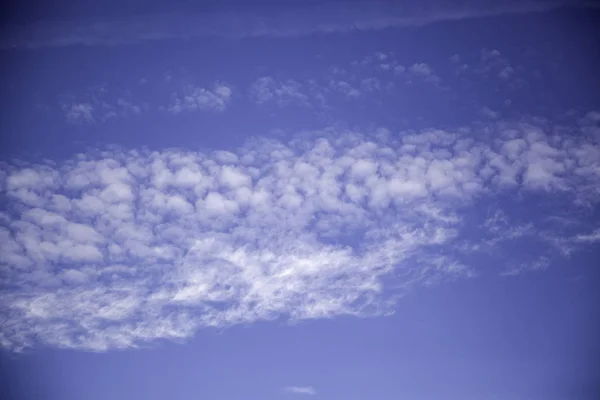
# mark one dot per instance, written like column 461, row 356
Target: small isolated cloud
column 308, row 390
column 345, row 88
column 127, row 107
column 122, row 108
column 539, row 264
column 420, row 69
column 98, row 103
column 194, row 98
column 387, row 64
column 425, row 72
column 589, row 238
column 79, row 113
column 267, row 89
column 494, row 64
column 489, row 113
column 381, row 62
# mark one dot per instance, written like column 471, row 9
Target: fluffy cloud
column 424, row 72
column 390, row 69
column 493, row 63
column 319, row 92
column 118, row 248
column 105, row 102
column 79, row 113
column 266, row 89
column 194, row 98
column 98, row 103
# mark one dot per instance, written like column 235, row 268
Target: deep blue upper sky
column 288, row 199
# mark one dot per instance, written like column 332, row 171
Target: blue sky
column 300, row 200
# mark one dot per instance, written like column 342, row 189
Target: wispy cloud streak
column 295, row 21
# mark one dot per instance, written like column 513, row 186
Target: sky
column 300, row 199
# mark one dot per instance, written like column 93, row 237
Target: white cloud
column 116, row 248
column 98, row 103
column 420, row 69
column 489, row 113
column 127, row 107
column 387, row 69
column 308, row 390
column 425, row 72
column 590, row 238
column 494, row 64
column 541, row 263
column 232, row 178
column 347, row 89
column 79, row 113
column 266, row 89
column 317, row 93
column 194, row 98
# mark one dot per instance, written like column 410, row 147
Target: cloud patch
column 307, row 390
column 118, row 248
column 266, row 90
column 79, row 113
column 194, row 98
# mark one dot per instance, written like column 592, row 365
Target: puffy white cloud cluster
column 118, row 248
